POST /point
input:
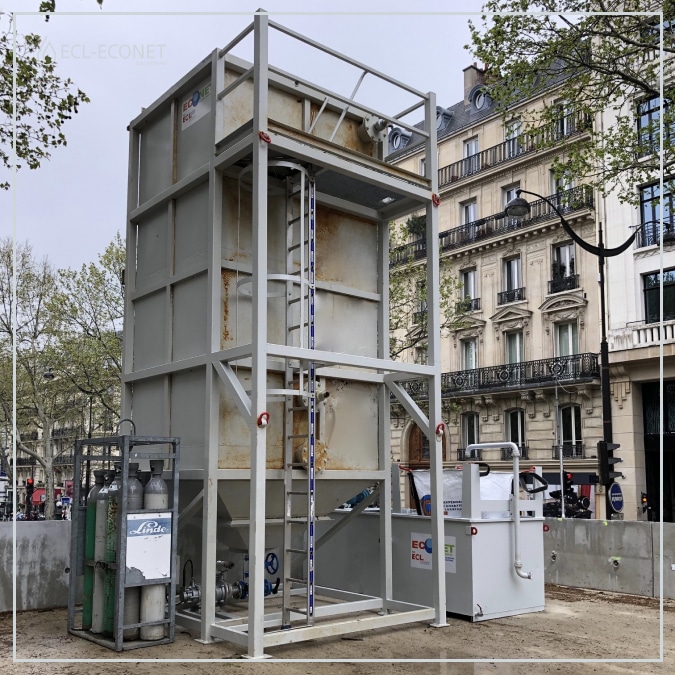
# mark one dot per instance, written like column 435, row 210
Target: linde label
column 421, row 550
column 149, row 544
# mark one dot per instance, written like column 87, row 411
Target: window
column 469, row 284
column 652, row 296
column 469, row 354
column 470, row 429
column 567, row 338
column 512, row 274
column 515, row 427
column 514, row 347
column 471, row 162
column 509, row 193
column 563, row 124
column 560, row 185
column 563, row 270
column 469, row 212
column 418, row 448
column 421, row 355
column 563, row 261
column 652, row 205
column 648, row 124
column 423, row 166
column 511, row 136
column 570, row 428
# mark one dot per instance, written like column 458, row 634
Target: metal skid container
column 256, row 322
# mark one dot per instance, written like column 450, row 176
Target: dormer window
column 398, row 138
column 443, row 117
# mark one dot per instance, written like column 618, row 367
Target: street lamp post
column 519, row 208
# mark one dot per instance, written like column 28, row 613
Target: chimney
column 473, row 76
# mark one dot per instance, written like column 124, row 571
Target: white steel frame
column 415, row 193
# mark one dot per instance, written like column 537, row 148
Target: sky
column 72, row 206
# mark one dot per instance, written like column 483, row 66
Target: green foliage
column 417, row 225
column 408, row 316
column 65, row 324
column 599, row 64
column 44, row 100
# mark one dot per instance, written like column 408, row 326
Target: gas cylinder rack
column 148, row 564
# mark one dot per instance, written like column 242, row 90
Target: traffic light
column 644, row 501
column 30, row 485
column 568, row 479
column 605, row 462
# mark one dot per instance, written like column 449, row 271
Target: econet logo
column 193, row 102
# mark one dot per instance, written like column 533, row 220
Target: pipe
column 515, row 452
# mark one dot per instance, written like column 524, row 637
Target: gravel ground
column 576, row 624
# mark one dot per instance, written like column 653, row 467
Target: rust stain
column 226, row 277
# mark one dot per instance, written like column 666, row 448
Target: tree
column 44, row 100
column 30, row 329
column 597, row 64
column 407, row 291
column 66, row 328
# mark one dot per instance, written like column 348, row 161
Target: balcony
column 563, row 284
column 497, row 225
column 541, row 373
column 514, row 295
column 64, row 460
column 463, row 454
column 26, row 461
column 468, row 305
column 569, row 451
column 569, row 125
column 649, row 234
column 507, row 453
column 640, row 334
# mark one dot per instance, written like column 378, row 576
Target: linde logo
column 150, row 527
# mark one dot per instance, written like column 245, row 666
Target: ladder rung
column 295, row 581
column 298, row 520
column 296, row 550
column 290, row 465
column 297, row 436
column 296, row 219
column 297, row 492
column 297, row 407
column 297, row 326
column 295, row 247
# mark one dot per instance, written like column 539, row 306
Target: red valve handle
column 263, row 419
column 264, row 137
column 435, row 199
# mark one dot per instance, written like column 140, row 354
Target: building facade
column 523, row 366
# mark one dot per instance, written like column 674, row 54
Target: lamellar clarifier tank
column 98, row 600
column 90, row 550
column 132, row 595
column 153, row 598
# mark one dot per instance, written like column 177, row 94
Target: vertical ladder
column 300, row 322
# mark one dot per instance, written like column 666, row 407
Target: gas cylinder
column 111, row 551
column 99, row 552
column 89, row 549
column 153, row 598
column 132, row 595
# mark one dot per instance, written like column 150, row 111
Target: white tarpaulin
column 492, row 486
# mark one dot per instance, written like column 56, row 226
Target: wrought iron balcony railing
column 468, row 305
column 568, row 125
column 544, row 372
column 507, row 453
column 563, row 284
column 464, row 454
column 497, row 225
column 569, row 450
column 65, row 459
column 26, row 461
column 514, row 295
column 649, row 234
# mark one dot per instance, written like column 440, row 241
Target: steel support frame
column 218, row 367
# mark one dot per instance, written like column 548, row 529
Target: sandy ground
column 576, row 624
